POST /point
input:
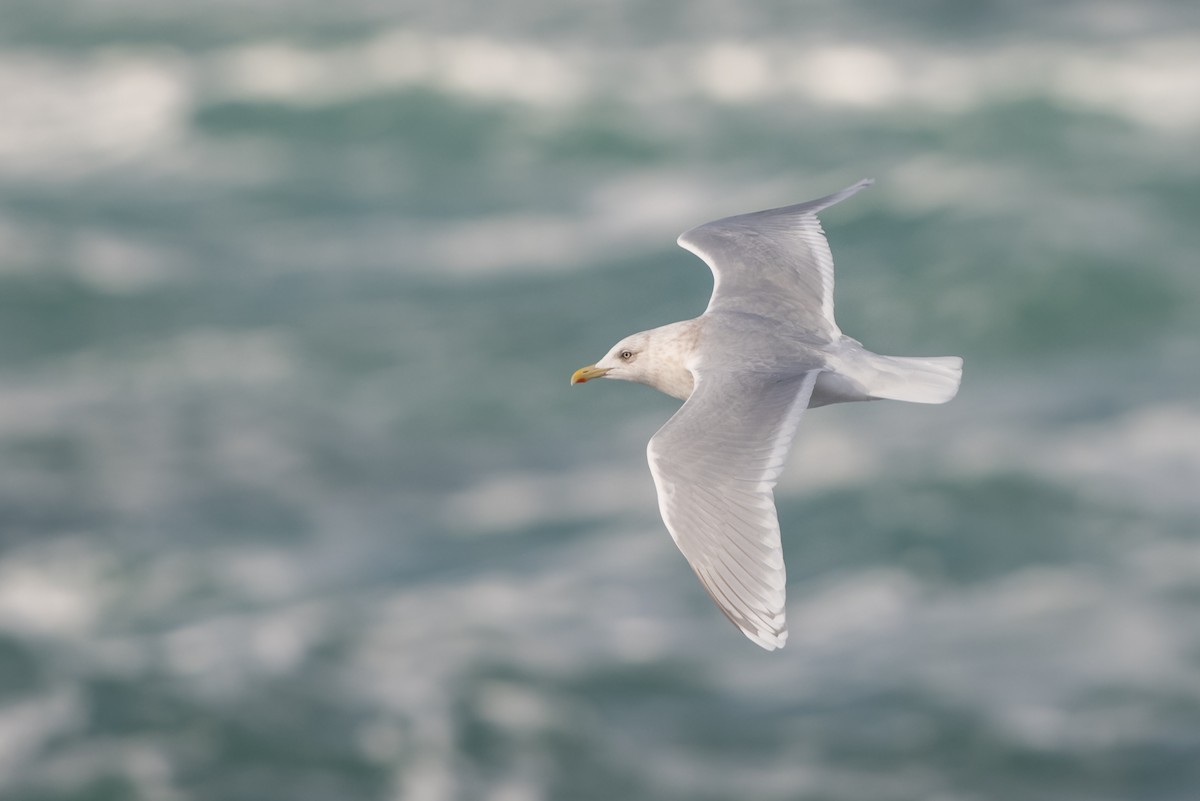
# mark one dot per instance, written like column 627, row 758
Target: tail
column 915, row 379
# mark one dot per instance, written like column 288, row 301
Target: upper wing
column 715, row 464
column 774, row 263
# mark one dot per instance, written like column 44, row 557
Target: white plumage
column 766, row 348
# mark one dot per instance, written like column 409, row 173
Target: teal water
column 296, row 501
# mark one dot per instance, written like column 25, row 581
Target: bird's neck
column 672, row 346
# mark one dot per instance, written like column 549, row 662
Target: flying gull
column 764, row 350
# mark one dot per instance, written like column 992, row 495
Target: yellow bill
column 585, row 374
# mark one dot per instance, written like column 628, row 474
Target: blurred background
column 295, row 499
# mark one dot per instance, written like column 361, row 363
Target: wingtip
column 767, row 640
column 821, row 204
column 863, row 184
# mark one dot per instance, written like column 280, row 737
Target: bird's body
column 765, row 349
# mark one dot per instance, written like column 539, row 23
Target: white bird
column 764, row 350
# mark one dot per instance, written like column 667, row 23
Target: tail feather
column 916, row 379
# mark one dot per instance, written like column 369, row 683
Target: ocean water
column 295, row 499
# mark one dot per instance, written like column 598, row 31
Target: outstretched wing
column 715, row 464
column 773, row 263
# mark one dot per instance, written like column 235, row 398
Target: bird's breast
column 676, row 381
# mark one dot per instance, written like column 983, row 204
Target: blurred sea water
column 296, row 502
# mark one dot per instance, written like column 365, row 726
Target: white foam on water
column 109, row 106
column 623, row 216
column 200, row 357
column 1143, row 456
column 1021, row 649
column 1150, row 83
column 1039, row 640
column 1145, row 80
column 854, row 75
column 602, row 226
column 29, row 724
column 119, row 412
column 470, row 65
column 732, row 72
column 514, row 706
column 516, row 501
column 118, row 264
column 53, row 590
column 224, row 654
column 133, row 107
column 857, row 606
column 66, row 116
column 500, row 242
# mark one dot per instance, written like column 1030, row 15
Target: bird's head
column 622, row 361
column 657, row 358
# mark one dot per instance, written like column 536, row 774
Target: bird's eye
column 626, row 355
